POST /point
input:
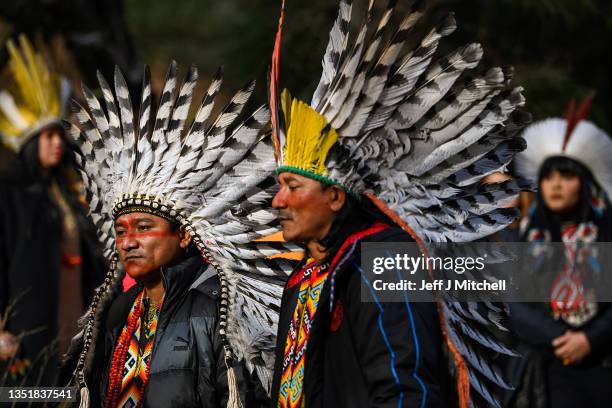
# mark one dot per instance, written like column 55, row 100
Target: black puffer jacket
column 187, row 365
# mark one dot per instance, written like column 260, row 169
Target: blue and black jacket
column 368, row 354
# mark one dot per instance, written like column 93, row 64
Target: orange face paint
column 127, row 228
column 145, row 243
column 152, row 234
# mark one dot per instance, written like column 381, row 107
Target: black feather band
column 130, row 204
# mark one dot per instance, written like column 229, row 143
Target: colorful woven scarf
column 568, row 297
column 312, row 278
column 126, row 387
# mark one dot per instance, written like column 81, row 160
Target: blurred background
column 559, row 48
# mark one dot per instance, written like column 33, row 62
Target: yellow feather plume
column 35, row 100
column 309, row 137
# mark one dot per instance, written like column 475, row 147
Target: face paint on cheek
column 148, row 234
column 130, row 223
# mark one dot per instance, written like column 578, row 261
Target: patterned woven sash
column 313, row 278
column 126, row 388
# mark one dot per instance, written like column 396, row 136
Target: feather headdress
column 573, row 137
column 416, row 134
column 38, row 100
column 214, row 176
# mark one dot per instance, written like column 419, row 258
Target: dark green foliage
column 558, row 47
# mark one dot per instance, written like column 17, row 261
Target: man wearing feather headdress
column 392, row 147
column 177, row 294
column 182, row 213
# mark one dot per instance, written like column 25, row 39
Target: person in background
column 566, row 341
column 511, row 232
column 50, row 260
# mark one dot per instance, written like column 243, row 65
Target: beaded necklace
column 127, row 380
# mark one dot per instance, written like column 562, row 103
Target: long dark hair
column 357, row 213
column 64, row 174
column 543, row 218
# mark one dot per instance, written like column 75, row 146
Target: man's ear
column 336, row 198
column 184, row 237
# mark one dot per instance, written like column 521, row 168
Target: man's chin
column 289, row 236
column 141, row 272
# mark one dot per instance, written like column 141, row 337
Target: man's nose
column 128, row 242
column 279, row 199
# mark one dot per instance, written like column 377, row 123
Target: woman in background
column 567, row 342
column 49, row 260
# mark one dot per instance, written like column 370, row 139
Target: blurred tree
column 94, row 31
column 558, row 47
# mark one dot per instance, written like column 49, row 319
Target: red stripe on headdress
column 274, row 95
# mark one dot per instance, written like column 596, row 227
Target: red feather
column 569, row 118
column 274, row 95
column 575, row 116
